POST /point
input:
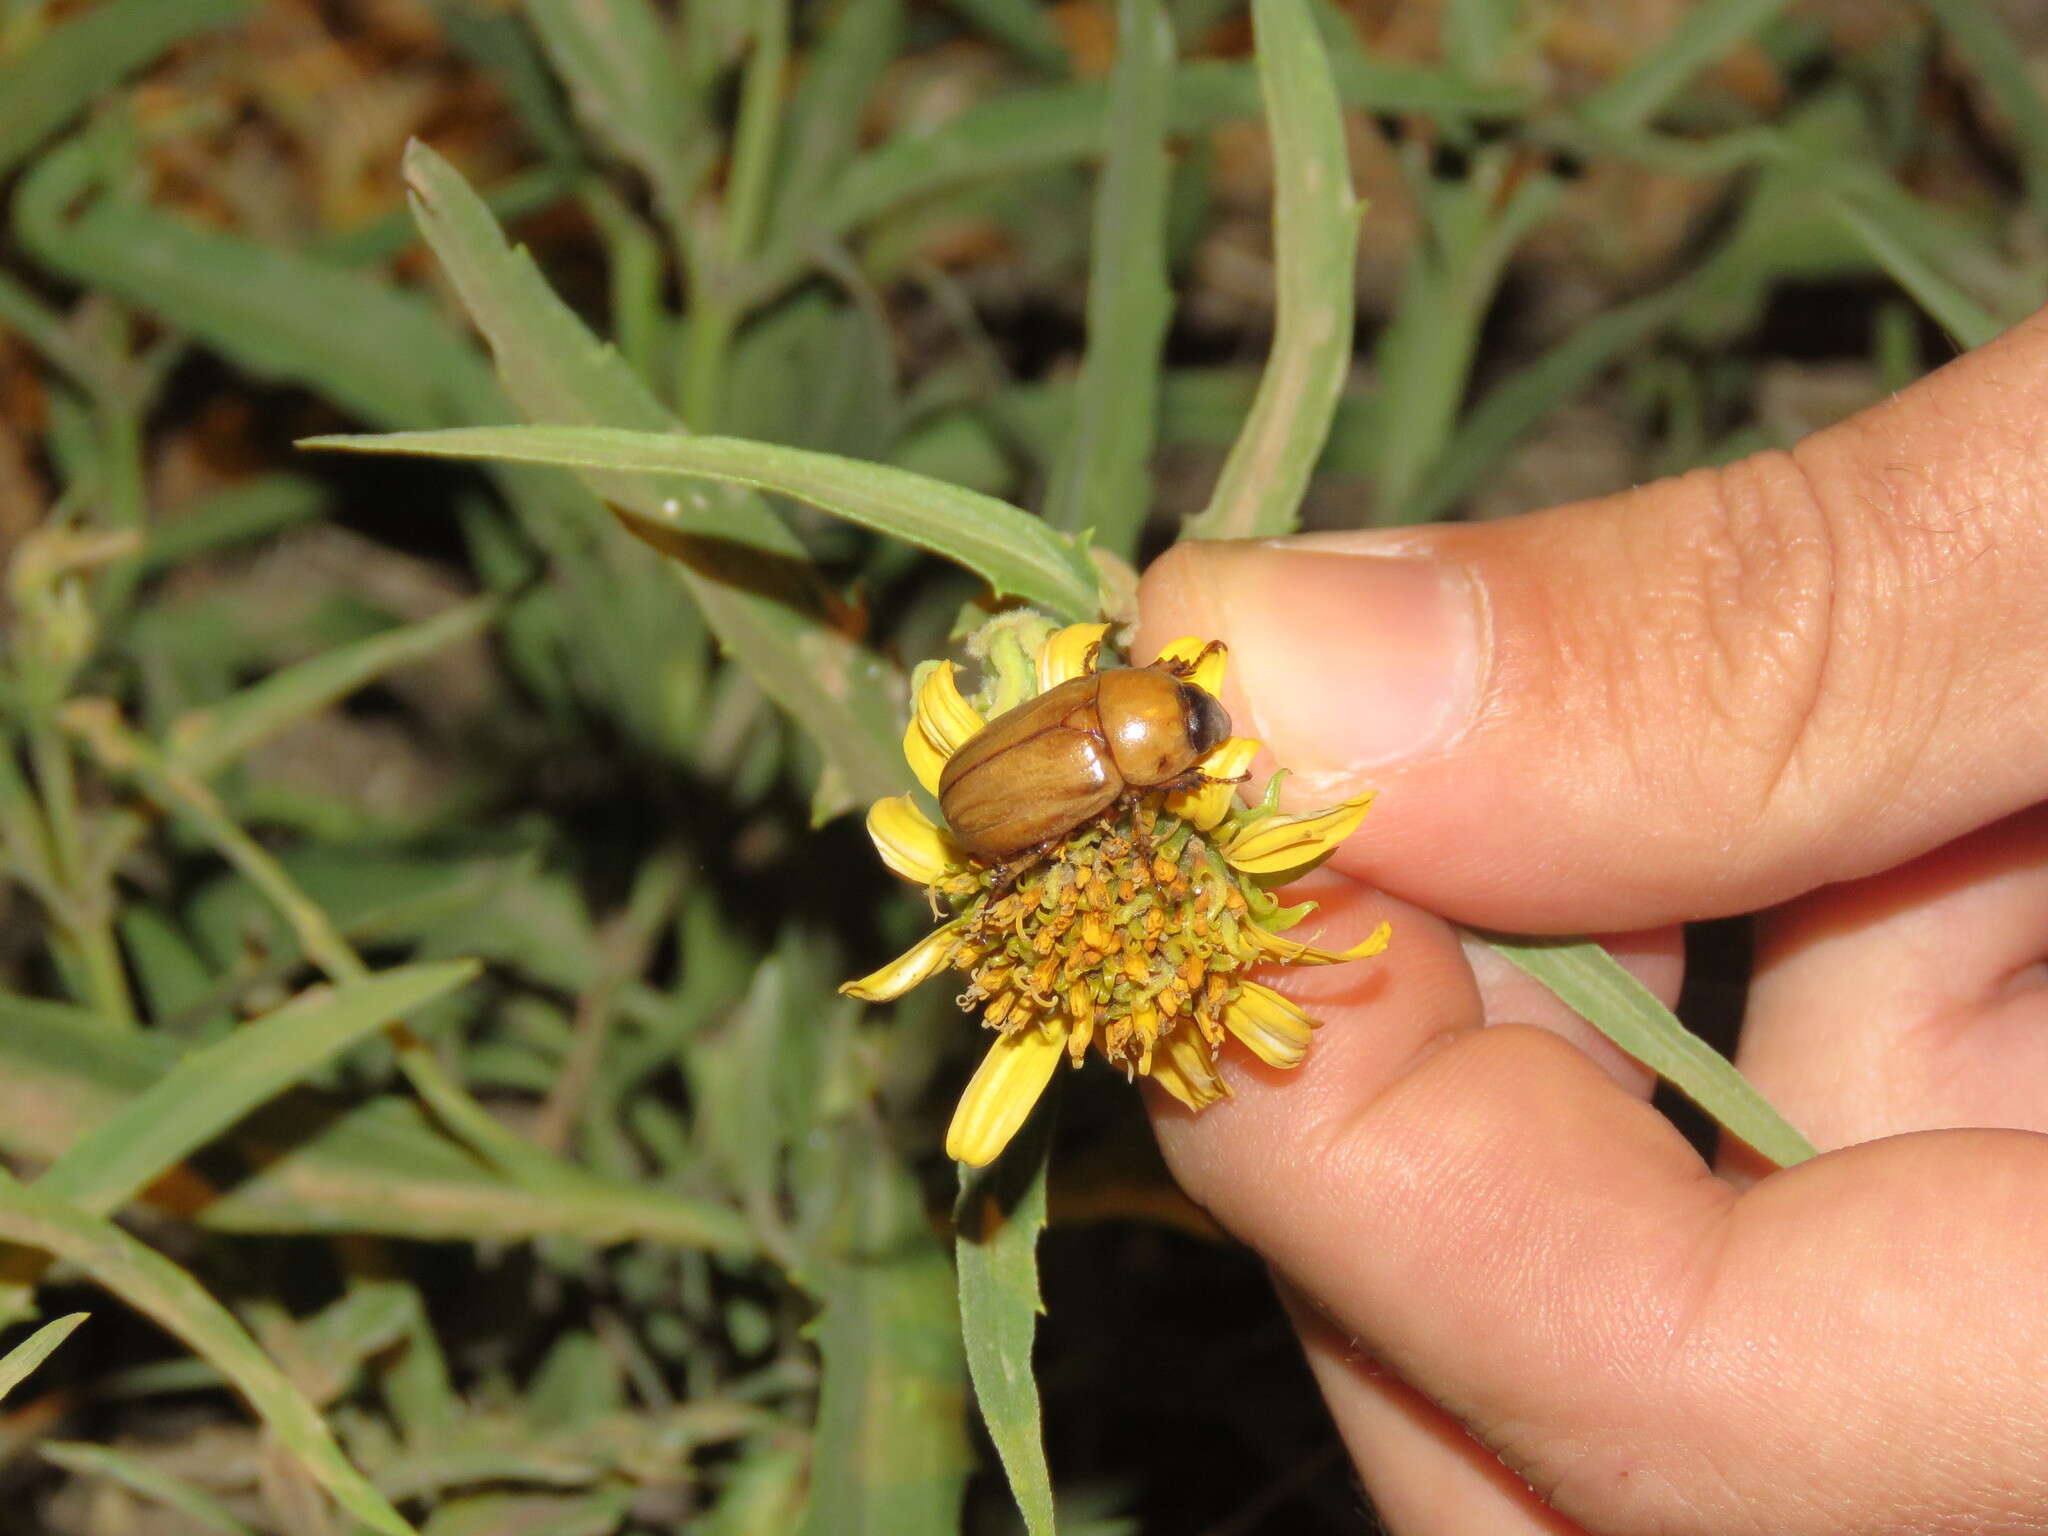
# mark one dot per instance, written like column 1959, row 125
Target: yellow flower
column 1133, row 934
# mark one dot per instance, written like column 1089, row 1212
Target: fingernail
column 1348, row 661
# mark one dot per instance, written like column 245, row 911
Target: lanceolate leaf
column 153, row 1285
column 213, row 1088
column 996, row 1221
column 32, row 1351
column 43, row 86
column 1969, row 322
column 1059, row 124
column 628, row 84
column 822, row 133
column 1102, row 478
column 769, row 616
column 371, row 348
column 379, row 1167
column 1015, row 552
column 890, row 1454
column 206, row 740
column 1703, row 34
column 146, row 1478
column 1315, row 240
column 1596, row 986
column 391, row 359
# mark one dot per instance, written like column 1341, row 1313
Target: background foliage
column 631, row 1223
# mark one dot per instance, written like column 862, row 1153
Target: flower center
column 1132, row 925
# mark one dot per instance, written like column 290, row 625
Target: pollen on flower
column 1133, row 931
column 1077, row 938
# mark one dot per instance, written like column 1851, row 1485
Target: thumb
column 1697, row 697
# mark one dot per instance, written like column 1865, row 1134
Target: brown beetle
column 1036, row 772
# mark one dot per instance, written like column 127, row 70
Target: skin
column 1810, row 685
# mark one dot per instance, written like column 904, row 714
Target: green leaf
column 374, row 350
column 1596, row 987
column 213, row 1088
column 59, row 75
column 733, row 1076
column 206, row 740
column 1892, row 246
column 140, row 1476
column 1023, row 25
column 768, row 614
column 1473, row 227
column 1705, row 32
column 382, row 1167
column 576, row 1384
column 1056, row 125
column 153, row 1285
column 533, row 1514
column 368, row 1319
column 1102, row 478
column 1015, row 552
column 757, row 125
column 1478, row 34
column 844, row 354
column 378, row 1167
column 762, row 1497
column 391, row 359
column 1315, row 240
column 32, row 1351
column 890, row 1454
column 1513, row 408
column 244, row 512
column 503, row 45
column 628, row 85
column 611, row 1205
column 852, row 47
column 1990, row 48
column 997, row 1220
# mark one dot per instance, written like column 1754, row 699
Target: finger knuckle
column 1800, row 624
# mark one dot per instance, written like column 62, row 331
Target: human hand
column 1814, row 682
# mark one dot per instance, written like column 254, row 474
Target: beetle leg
column 1195, row 778
column 1006, row 874
column 1001, row 878
column 1173, row 666
column 1130, row 802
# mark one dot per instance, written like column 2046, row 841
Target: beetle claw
column 1174, row 666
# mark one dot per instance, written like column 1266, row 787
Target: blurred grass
column 643, row 1228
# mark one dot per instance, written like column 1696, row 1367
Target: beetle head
column 1207, row 722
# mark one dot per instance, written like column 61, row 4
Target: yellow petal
column 909, row 844
column 926, row 760
column 1278, row 946
column 1184, row 1070
column 941, row 722
column 1211, row 803
column 1208, row 673
column 925, row 959
column 1001, row 1096
column 1274, row 844
column 1276, row 1031
column 1068, row 653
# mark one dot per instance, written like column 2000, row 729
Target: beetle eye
column 1208, row 725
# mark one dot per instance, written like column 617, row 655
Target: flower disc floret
column 1134, row 933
